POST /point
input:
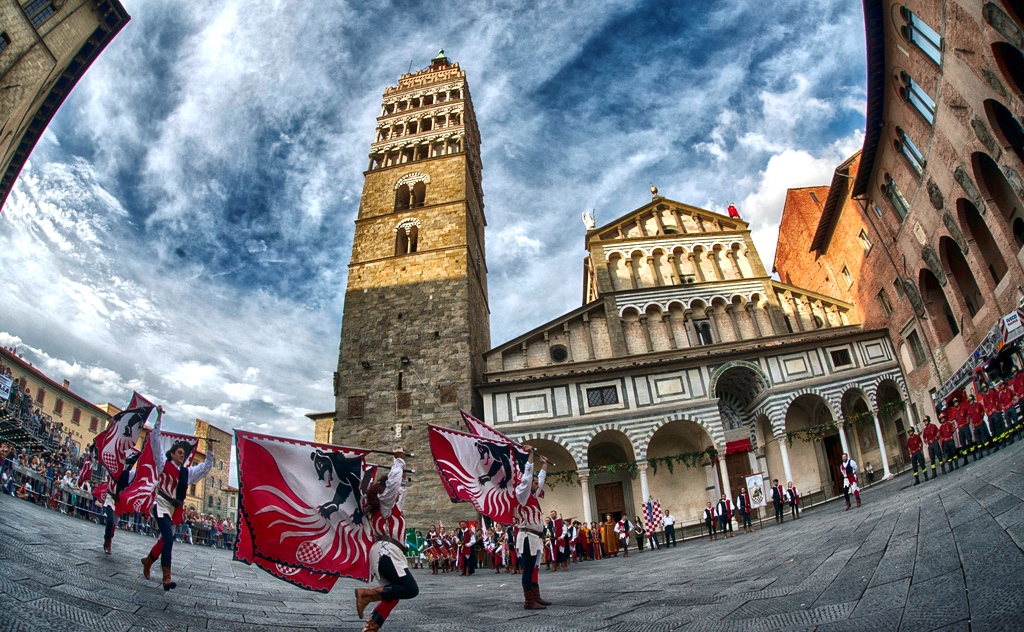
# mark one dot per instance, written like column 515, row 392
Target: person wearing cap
column 990, row 402
column 915, row 446
column 982, row 436
column 947, row 436
column 1017, row 386
column 930, row 434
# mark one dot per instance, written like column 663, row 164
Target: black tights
column 399, row 586
column 111, row 521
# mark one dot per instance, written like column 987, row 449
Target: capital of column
column 641, row 465
column 583, row 473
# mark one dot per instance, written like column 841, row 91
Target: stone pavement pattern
column 945, row 555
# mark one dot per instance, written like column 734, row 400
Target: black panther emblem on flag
column 136, row 417
column 502, row 461
column 348, row 473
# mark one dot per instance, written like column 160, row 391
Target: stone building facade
column 416, row 320
column 928, row 216
column 685, row 343
column 45, row 48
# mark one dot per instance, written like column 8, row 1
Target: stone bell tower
column 416, row 321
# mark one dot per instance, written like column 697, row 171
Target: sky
column 184, row 226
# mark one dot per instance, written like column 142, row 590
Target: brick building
column 416, row 324
column 927, row 218
column 45, row 48
column 83, row 419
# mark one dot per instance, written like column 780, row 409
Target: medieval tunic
column 388, row 524
column 173, row 480
column 531, row 522
column 609, row 538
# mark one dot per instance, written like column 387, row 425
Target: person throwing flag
column 529, row 539
column 172, row 487
column 382, row 504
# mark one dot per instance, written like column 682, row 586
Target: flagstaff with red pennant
column 122, row 434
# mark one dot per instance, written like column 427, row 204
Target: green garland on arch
column 887, row 411
column 859, row 419
column 689, row 459
column 554, row 479
column 816, row 432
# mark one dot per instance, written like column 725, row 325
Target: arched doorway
column 683, row 488
column 560, row 492
column 613, row 492
column 737, row 388
column 974, row 225
column 814, row 463
column 859, row 424
column 995, row 188
column 893, row 418
column 940, row 314
column 953, row 260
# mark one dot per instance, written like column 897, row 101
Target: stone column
column 726, row 488
column 730, row 309
column 674, row 271
column 590, row 337
column 687, row 326
column 655, row 272
column 842, row 438
column 784, row 451
column 666, row 318
column 585, row 485
column 881, row 445
column 753, row 319
column 694, row 258
column 645, row 489
column 647, row 332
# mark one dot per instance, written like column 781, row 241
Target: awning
column 737, row 447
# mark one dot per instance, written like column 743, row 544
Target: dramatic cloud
column 184, row 226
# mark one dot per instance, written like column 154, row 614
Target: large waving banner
column 478, row 470
column 301, row 503
column 122, row 434
column 141, row 494
column 318, row 582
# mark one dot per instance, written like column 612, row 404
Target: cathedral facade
column 688, row 368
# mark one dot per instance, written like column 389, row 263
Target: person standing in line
column 172, row 487
column 669, row 521
column 916, row 447
column 990, row 402
column 982, row 437
column 709, row 521
column 638, row 532
column 870, row 471
column 609, row 539
column 623, row 528
column 1017, row 387
column 743, row 507
column 1007, row 413
column 724, row 512
column 778, row 497
column 595, row 541
column 793, row 496
column 848, row 469
column 963, row 425
column 930, row 434
column 382, row 505
column 947, row 437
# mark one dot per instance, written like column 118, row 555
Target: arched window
column 402, row 198
column 407, row 237
column 1018, row 232
column 1011, row 63
column 953, row 259
column 419, row 194
column 976, row 229
column 995, row 188
column 939, row 311
column 703, row 333
column 1003, row 121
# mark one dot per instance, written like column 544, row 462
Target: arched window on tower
column 419, row 194
column 402, row 198
column 703, row 333
column 407, row 237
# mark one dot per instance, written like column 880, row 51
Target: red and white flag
column 122, row 434
column 479, row 469
column 302, row 504
column 652, row 516
column 318, row 582
column 141, row 494
column 85, row 472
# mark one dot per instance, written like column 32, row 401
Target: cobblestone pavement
column 945, row 555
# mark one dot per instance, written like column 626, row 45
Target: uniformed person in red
column 1013, row 422
column 982, row 437
column 916, row 447
column 990, row 402
column 963, row 426
column 930, row 434
column 1007, row 405
column 947, row 432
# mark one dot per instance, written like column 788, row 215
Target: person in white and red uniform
column 529, row 539
column 848, row 468
column 383, row 504
column 170, row 495
column 114, row 489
